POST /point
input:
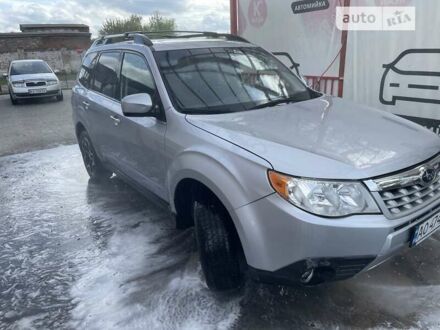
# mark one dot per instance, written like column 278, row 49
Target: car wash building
column 391, row 64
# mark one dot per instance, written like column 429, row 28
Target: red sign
column 257, row 12
column 393, row 3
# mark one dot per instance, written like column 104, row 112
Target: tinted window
column 224, row 80
column 106, row 75
column 85, row 74
column 136, row 76
column 29, row 67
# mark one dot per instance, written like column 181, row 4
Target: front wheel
column 13, row 99
column 60, row 96
column 218, row 246
column 93, row 164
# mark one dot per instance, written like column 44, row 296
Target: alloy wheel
column 88, row 155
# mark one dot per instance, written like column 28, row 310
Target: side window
column 106, row 75
column 85, row 73
column 136, row 77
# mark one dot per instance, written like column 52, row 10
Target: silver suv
column 283, row 184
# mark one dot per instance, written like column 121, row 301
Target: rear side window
column 136, row 76
column 106, row 75
column 85, row 73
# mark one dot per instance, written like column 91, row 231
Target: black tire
column 93, row 164
column 60, row 96
column 218, row 246
column 13, row 100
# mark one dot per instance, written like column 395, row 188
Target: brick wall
column 10, row 42
column 62, row 52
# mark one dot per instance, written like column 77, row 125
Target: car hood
column 36, row 76
column 326, row 137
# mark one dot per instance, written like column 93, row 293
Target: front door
column 142, row 139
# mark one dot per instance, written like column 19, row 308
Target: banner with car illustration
column 391, row 62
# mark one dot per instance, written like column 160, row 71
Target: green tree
column 120, row 25
column 156, row 22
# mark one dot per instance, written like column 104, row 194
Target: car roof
column 19, row 61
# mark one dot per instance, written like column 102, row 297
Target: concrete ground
column 74, row 254
column 35, row 124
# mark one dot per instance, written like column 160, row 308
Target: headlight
column 52, row 82
column 326, row 198
column 18, row 84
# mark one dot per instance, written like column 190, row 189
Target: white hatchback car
column 32, row 79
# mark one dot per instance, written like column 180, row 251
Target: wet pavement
column 79, row 255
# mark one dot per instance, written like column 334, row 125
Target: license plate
column 37, row 91
column 425, row 229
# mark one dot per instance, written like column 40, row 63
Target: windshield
column 29, row 68
column 420, row 62
column 217, row 80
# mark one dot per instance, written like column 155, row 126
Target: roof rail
column 194, row 34
column 138, row 37
column 144, row 37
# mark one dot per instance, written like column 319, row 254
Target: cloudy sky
column 189, row 14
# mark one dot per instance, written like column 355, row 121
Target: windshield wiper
column 273, row 103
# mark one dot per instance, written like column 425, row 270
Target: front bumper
column 25, row 92
column 282, row 242
column 313, row 271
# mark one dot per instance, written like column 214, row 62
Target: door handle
column 86, row 104
column 116, row 120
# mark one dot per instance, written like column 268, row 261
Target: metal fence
column 67, row 80
column 326, row 85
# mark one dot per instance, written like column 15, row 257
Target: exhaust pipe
column 307, row 276
column 317, row 272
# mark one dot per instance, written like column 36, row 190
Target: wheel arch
column 189, row 190
column 192, row 184
column 234, row 179
column 79, row 127
column 227, row 175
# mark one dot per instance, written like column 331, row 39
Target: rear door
column 104, row 109
column 80, row 92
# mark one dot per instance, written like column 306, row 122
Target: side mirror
column 137, row 105
column 5, row 75
column 56, row 71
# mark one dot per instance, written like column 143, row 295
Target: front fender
column 236, row 178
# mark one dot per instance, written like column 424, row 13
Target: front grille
column 35, row 83
column 404, row 200
column 404, row 193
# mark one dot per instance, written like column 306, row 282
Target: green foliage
column 155, row 23
column 159, row 23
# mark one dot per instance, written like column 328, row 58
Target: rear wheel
column 93, row 164
column 218, row 246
